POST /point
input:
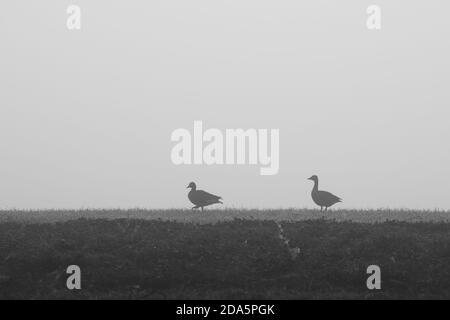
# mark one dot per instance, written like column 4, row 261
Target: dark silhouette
column 322, row 198
column 201, row 198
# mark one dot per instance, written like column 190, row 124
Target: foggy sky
column 86, row 116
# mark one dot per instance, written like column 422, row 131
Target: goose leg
column 326, row 208
column 321, row 208
column 202, row 208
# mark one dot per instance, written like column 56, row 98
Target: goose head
column 314, row 178
column 192, row 185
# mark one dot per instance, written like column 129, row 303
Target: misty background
column 86, row 116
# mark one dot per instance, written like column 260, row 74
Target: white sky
column 86, row 116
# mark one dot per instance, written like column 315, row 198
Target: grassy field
column 224, row 254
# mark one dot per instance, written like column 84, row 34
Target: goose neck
column 316, row 185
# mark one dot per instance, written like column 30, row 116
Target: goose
column 201, row 198
column 322, row 198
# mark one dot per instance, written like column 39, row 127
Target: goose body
column 322, row 198
column 201, row 198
